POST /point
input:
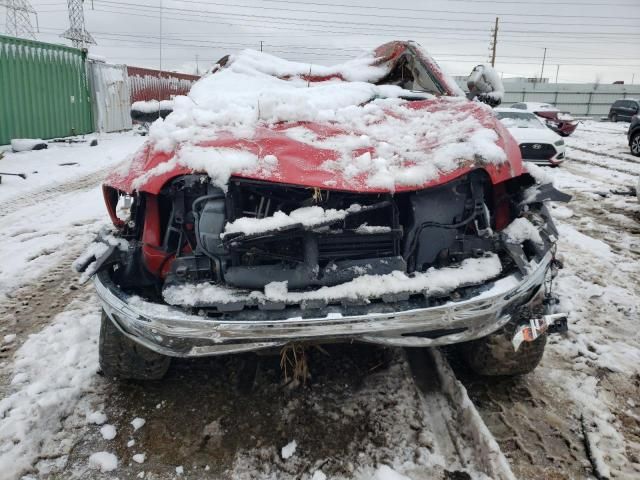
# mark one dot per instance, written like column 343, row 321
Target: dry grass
column 294, row 362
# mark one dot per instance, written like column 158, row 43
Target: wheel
column 635, row 144
column 123, row 358
column 494, row 355
column 614, row 117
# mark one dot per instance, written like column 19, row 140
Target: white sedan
column 537, row 143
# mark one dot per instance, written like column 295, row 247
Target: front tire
column 635, row 144
column 123, row 358
column 494, row 355
column 614, row 117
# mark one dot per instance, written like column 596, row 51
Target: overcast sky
column 589, row 39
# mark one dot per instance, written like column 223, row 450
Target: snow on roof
column 512, row 110
column 534, row 106
column 380, row 134
column 360, row 69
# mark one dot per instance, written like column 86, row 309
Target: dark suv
column 624, row 109
column 634, row 135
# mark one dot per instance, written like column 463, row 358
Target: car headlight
column 559, row 143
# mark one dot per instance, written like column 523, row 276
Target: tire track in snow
column 460, row 433
column 30, row 198
column 603, row 164
column 629, row 159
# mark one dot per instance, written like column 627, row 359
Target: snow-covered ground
column 365, row 413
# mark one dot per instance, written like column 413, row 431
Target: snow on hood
column 540, row 134
column 257, row 116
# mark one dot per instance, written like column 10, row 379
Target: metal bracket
column 554, row 323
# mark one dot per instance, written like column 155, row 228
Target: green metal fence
column 44, row 91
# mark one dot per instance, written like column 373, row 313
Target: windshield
column 519, row 120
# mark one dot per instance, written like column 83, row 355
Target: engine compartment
column 179, row 237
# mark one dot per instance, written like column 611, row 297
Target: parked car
column 560, row 122
column 633, row 135
column 624, row 109
column 538, row 144
column 368, row 202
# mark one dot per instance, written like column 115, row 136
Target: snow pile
column 9, row 338
column 385, row 472
column 218, row 163
column 521, row 230
column 94, row 251
column 360, row 69
column 139, row 457
column 27, row 144
column 152, row 106
column 521, row 121
column 138, row 423
column 306, row 216
column 103, row 461
column 484, row 80
column 365, row 229
column 541, row 175
column 443, row 280
column 289, row 449
column 51, row 372
column 96, row 417
column 108, row 432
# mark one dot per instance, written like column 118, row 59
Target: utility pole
column 160, row 41
column 494, row 43
column 160, row 62
column 260, row 45
column 544, row 57
column 19, row 19
column 77, row 32
column 557, row 71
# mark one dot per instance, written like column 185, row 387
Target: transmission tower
column 19, row 18
column 77, row 32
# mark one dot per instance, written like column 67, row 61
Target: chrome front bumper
column 174, row 332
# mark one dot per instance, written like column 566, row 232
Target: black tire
column 634, row 144
column 494, row 355
column 123, row 358
column 613, row 117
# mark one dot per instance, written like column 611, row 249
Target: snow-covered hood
column 265, row 118
column 534, row 135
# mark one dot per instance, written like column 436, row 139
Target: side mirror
column 485, row 85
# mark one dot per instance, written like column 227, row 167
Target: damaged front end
column 206, row 272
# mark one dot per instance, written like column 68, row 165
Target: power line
column 359, row 15
column 412, row 10
column 353, row 51
column 470, row 37
column 288, row 49
column 389, row 27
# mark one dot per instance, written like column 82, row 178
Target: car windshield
column 519, row 120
